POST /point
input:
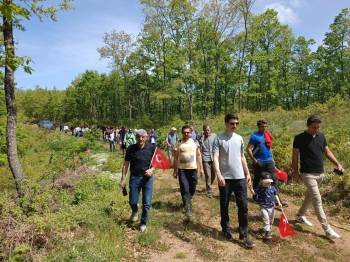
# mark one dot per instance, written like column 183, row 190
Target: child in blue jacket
column 266, row 195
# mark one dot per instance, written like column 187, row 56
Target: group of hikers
column 77, row 131
column 124, row 137
column 221, row 157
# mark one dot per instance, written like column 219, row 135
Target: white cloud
column 286, row 14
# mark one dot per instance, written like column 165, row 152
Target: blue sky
column 62, row 50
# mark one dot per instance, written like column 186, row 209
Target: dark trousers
column 239, row 188
column 188, row 182
column 209, row 174
column 263, row 166
column 137, row 183
column 111, row 146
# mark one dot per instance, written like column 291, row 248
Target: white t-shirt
column 230, row 149
column 111, row 136
column 187, row 154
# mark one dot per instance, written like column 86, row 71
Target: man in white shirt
column 233, row 177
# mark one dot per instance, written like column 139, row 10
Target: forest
column 194, row 60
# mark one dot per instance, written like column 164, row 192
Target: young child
column 266, row 195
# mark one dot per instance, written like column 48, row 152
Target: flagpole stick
column 152, row 157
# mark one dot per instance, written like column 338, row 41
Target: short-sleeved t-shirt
column 265, row 196
column 311, row 150
column 230, row 148
column 260, row 150
column 139, row 158
column 187, row 154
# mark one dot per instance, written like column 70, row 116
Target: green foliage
column 113, row 164
column 149, row 238
column 197, row 70
column 21, row 253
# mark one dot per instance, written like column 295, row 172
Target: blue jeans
column 239, row 188
column 137, row 183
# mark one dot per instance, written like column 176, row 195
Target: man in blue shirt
column 260, row 153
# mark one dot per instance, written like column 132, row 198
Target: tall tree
column 12, row 12
column 117, row 48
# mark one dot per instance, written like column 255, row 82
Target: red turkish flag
column 159, row 160
column 281, row 175
column 284, row 227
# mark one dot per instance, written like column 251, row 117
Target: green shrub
column 21, row 253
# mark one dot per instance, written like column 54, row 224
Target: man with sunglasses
column 233, row 177
column 187, row 161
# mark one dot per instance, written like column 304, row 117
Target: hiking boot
column 248, row 243
column 227, row 234
column 267, row 235
column 133, row 217
column 331, row 234
column 303, row 220
column 143, row 228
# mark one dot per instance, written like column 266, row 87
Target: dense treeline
column 201, row 58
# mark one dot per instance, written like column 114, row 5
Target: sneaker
column 133, row 217
column 267, row 235
column 227, row 235
column 303, row 220
column 331, row 234
column 248, row 243
column 143, row 228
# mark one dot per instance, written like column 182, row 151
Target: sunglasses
column 186, row 133
column 233, row 123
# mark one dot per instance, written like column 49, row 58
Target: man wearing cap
column 171, row 141
column 139, row 156
column 309, row 147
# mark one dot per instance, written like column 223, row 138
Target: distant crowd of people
column 77, row 131
column 124, row 137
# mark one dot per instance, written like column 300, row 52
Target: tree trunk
column 9, row 86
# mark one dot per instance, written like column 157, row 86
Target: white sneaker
column 303, row 220
column 133, row 217
column 143, row 228
column 331, row 234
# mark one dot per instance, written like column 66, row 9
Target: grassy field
column 74, row 211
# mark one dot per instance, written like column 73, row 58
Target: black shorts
column 123, row 146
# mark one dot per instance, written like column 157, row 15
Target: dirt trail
column 201, row 240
